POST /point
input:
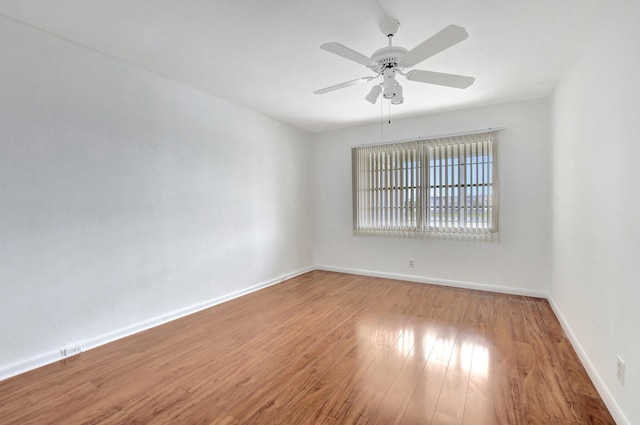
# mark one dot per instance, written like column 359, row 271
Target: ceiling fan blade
column 343, row 85
column 442, row 40
column 440, row 78
column 347, row 53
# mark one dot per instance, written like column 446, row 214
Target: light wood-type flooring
column 326, row 348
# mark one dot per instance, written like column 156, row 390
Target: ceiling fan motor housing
column 388, row 57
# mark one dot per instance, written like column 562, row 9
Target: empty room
column 303, row 212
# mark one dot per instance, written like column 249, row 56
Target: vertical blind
column 445, row 186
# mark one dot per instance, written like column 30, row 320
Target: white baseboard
column 435, row 281
column 54, row 356
column 602, row 388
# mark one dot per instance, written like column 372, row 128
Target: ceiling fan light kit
column 389, row 79
column 392, row 60
column 398, row 98
column 374, row 94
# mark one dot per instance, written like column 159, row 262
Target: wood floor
column 326, row 348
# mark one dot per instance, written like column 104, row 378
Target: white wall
column 519, row 262
column 596, row 200
column 126, row 196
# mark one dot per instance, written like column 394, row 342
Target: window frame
column 384, row 176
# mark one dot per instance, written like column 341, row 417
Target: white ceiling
column 265, row 55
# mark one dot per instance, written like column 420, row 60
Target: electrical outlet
column 411, row 262
column 620, row 371
column 72, row 350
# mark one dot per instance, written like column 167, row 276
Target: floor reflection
column 464, row 351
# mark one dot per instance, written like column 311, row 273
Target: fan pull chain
column 381, row 121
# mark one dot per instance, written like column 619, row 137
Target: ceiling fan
column 391, row 60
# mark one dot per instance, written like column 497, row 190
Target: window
column 436, row 187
